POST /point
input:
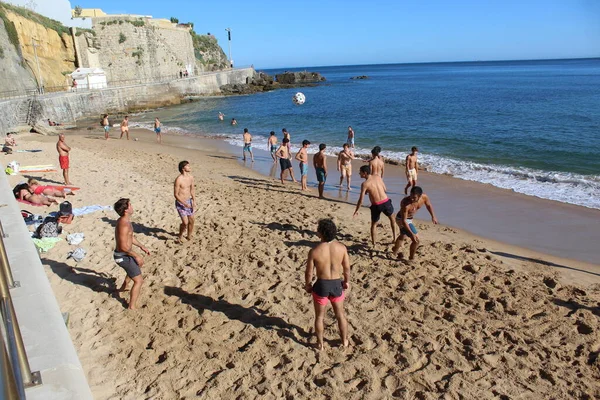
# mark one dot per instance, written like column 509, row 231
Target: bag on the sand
column 65, row 208
column 48, row 228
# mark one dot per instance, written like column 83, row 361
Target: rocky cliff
column 209, row 54
column 20, row 30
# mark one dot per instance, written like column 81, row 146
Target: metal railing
column 15, row 373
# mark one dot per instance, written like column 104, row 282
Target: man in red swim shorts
column 63, row 157
column 330, row 259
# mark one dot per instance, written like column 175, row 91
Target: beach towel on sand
column 30, row 203
column 45, row 244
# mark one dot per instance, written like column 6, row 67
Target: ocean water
column 529, row 126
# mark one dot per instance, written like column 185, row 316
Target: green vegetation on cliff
column 33, row 16
column 11, row 29
column 208, row 52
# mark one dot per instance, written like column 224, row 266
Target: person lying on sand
column 408, row 208
column 47, row 190
column 124, row 255
column 380, row 203
column 185, row 200
column 330, row 259
column 23, row 193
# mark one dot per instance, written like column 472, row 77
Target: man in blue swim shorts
column 320, row 164
column 302, row 156
column 247, row 144
column 408, row 208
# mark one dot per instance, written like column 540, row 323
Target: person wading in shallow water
column 330, row 259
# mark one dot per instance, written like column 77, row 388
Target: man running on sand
column 247, row 144
column 344, row 165
column 63, row 157
column 320, row 164
column 283, row 153
column 272, row 146
column 376, row 162
column 124, row 255
column 185, row 200
column 412, row 166
column 408, row 208
column 374, row 186
column 330, row 259
column 302, row 156
column 125, row 127
column 105, row 125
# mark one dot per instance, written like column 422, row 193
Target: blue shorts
column 321, row 175
column 403, row 230
column 157, row 130
column 248, row 147
column 128, row 263
column 273, row 149
column 303, row 169
column 106, row 128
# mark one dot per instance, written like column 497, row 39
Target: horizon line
column 439, row 62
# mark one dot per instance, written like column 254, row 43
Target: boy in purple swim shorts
column 185, row 200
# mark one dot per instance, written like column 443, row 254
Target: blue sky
column 273, row 34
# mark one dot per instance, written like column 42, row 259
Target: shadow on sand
column 96, row 281
column 248, row 315
column 139, row 228
column 542, row 262
column 268, row 185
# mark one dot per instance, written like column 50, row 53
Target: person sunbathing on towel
column 23, row 193
column 48, row 190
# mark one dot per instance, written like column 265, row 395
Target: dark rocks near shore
column 262, row 82
column 299, row 78
column 360, row 77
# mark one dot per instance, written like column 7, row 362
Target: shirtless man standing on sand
column 380, row 203
column 330, row 259
column 376, row 162
column 408, row 208
column 302, row 156
column 63, row 157
column 124, row 255
column 320, row 164
column 344, row 165
column 185, row 200
column 247, row 144
column 125, row 127
column 412, row 166
column 283, row 153
column 272, row 146
column 105, row 125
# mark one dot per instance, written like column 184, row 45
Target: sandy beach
column 226, row 315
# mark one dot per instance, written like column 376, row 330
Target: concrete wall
column 68, row 107
column 127, row 51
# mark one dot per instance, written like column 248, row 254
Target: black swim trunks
column 328, row 287
column 385, row 207
column 128, row 263
column 285, row 163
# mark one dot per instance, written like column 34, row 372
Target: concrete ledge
column 46, row 338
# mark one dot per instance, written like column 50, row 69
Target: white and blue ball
column 298, row 98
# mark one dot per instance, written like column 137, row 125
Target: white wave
column 582, row 190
